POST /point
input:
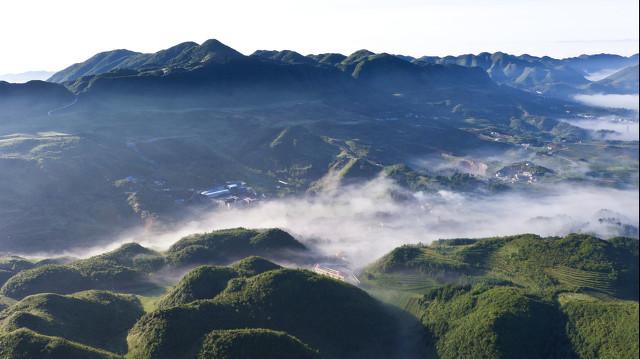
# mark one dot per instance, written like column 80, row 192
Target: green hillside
column 601, row 329
column 12, row 265
column 24, row 343
column 492, row 322
column 131, row 268
column 51, row 278
column 545, row 265
column 517, row 297
column 94, row 318
column 339, row 320
column 225, row 246
column 520, row 296
column 201, row 283
column 254, row 343
column 206, row 282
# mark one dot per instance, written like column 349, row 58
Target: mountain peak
column 216, row 51
column 357, row 57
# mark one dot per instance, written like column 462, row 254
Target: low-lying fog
column 365, row 221
column 629, row 102
column 609, row 127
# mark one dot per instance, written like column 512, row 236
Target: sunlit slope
column 520, row 296
column 339, row 320
column 251, row 308
column 95, row 319
column 133, row 268
column 546, row 265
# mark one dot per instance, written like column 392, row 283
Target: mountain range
column 109, row 170
column 119, row 132
column 544, row 75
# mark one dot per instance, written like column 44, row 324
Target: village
column 232, row 194
column 526, row 171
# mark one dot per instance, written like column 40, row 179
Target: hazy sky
column 50, row 35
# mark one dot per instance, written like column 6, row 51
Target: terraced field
column 523, row 273
column 399, row 289
column 404, row 282
column 434, row 255
column 576, row 279
column 545, row 265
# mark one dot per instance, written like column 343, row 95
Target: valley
column 197, row 202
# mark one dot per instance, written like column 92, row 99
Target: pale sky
column 50, row 35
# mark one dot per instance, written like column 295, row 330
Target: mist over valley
column 362, row 205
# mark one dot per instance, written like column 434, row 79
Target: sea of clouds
column 364, row 221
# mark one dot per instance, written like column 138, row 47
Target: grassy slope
column 545, row 265
column 338, row 319
column 520, row 296
column 131, row 267
column 96, row 319
column 601, row 329
column 254, row 343
column 495, row 297
column 24, row 343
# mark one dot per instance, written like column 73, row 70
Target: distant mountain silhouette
column 623, row 81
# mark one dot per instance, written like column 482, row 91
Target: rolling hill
column 521, row 296
column 95, row 319
column 335, row 318
column 131, row 267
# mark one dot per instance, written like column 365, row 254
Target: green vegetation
column 253, row 265
column 6, row 302
column 254, row 343
column 339, row 320
column 94, row 318
column 520, row 296
column 203, row 282
column 544, row 265
column 601, row 329
column 124, row 269
column 24, row 343
column 130, row 140
column 228, row 245
column 506, row 297
column 206, row 282
column 45, row 279
column 12, row 265
column 492, row 322
column 131, row 267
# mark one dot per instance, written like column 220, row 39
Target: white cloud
column 610, row 128
column 367, row 220
column 629, row 102
column 50, row 35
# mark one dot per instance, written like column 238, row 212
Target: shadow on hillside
column 414, row 340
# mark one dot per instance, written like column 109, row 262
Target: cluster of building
column 232, row 194
column 522, row 172
column 343, row 275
